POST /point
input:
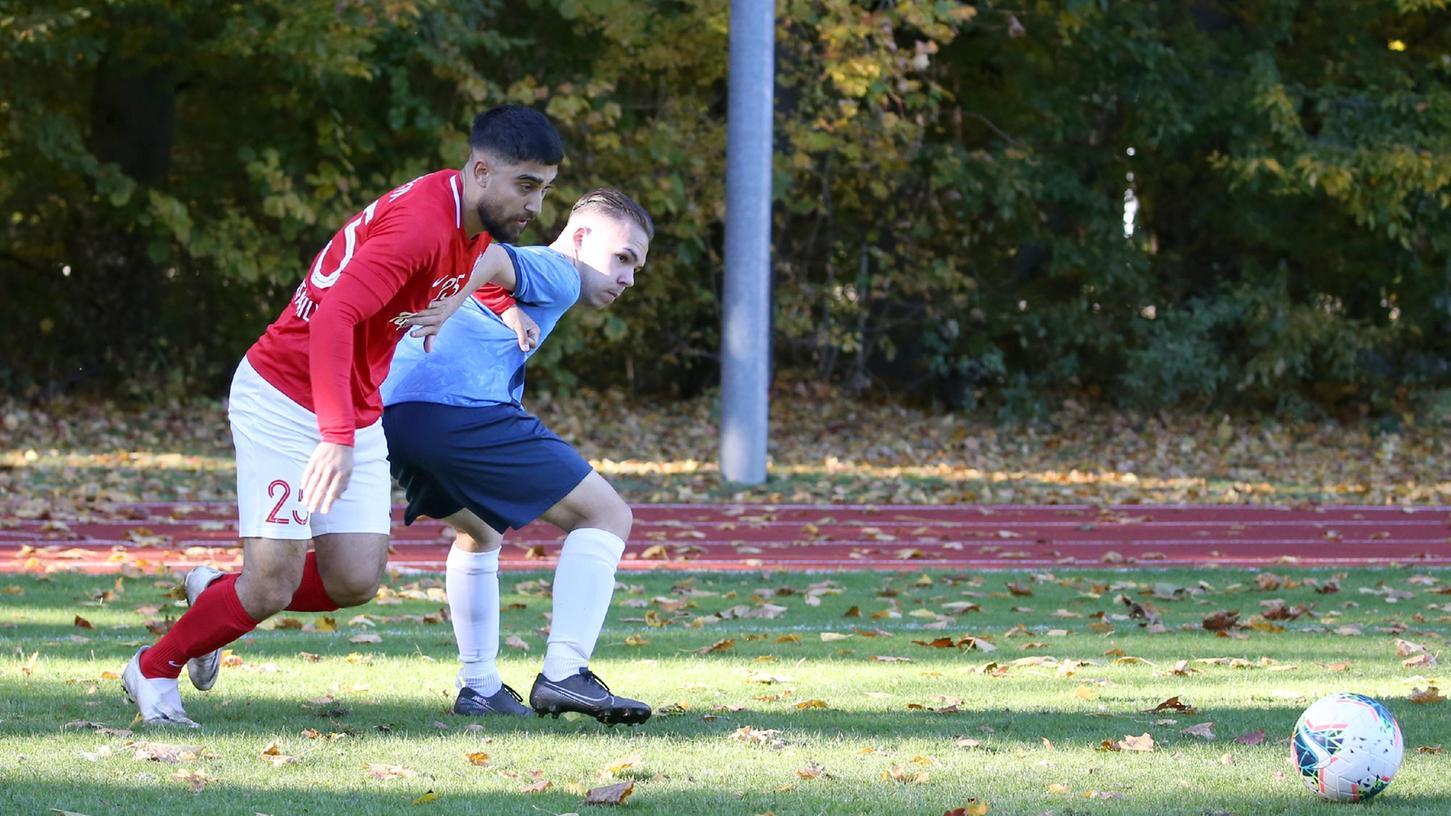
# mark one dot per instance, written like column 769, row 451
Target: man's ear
column 578, row 236
column 479, row 166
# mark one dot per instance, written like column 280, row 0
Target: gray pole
column 746, row 325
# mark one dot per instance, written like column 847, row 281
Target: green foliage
column 950, row 186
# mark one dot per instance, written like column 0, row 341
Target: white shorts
column 275, row 437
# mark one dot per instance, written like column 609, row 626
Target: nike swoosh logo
column 580, row 697
column 173, row 664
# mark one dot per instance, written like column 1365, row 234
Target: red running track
column 813, row 537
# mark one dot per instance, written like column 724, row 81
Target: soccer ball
column 1347, row 747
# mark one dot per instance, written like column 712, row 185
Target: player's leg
column 351, row 539
column 273, row 438
column 597, row 522
column 428, row 444
column 351, row 566
column 310, row 596
column 472, row 584
column 227, row 609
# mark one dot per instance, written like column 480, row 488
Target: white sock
column 472, row 584
column 584, row 582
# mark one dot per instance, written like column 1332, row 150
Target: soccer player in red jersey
column 312, row 461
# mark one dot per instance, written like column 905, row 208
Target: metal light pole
column 746, row 324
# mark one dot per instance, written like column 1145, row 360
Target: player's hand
column 524, row 327
column 326, row 476
column 427, row 322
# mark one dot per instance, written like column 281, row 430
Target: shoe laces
column 589, row 675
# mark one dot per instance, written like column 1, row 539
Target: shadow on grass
column 41, row 711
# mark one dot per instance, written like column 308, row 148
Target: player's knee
column 614, row 516
column 265, row 593
column 475, row 543
column 354, row 591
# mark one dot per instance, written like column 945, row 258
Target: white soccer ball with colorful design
column 1347, row 747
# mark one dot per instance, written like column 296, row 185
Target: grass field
column 776, row 718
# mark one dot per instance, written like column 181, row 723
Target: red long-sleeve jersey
column 330, row 348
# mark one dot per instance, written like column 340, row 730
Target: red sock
column 311, row 595
column 216, row 619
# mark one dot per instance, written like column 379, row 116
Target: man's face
column 509, row 195
column 610, row 252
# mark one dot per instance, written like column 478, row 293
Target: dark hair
column 518, row 134
column 616, row 204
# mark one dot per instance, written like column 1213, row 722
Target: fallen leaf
column 899, row 773
column 1405, row 648
column 1426, row 696
column 163, row 751
column 516, row 642
column 477, row 758
column 384, row 771
column 196, row 780
column 1221, row 620
column 82, row 623
column 426, row 798
column 366, row 637
column 1172, row 704
column 610, row 794
column 273, row 754
column 811, row 771
column 1204, row 731
column 767, row 737
column 1256, row 737
column 1143, row 742
column 718, row 646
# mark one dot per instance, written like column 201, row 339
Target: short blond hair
column 615, row 204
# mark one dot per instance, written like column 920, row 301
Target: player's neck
column 472, row 225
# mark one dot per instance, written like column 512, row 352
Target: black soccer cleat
column 506, row 701
column 585, row 693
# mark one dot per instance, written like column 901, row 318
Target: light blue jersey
column 476, row 358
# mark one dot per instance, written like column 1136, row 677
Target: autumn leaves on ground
column 825, row 447
column 1085, row 692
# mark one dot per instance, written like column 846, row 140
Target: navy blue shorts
column 498, row 461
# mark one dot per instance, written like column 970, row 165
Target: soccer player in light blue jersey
column 465, row 451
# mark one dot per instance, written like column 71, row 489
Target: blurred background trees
column 997, row 205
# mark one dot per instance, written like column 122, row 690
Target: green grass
column 390, row 702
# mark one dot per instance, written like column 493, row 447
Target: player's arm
column 494, row 269
column 376, row 273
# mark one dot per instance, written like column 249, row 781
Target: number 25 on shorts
column 281, row 491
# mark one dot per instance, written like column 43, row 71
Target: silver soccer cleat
column 158, row 698
column 202, row 670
